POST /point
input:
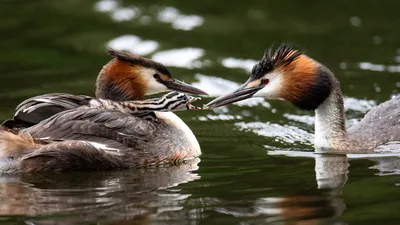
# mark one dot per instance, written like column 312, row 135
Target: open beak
column 177, row 85
column 238, row 95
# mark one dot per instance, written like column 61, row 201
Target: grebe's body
column 56, row 132
column 290, row 75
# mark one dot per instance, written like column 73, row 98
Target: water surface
column 246, row 174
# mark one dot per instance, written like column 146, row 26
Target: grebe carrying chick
column 117, row 129
column 288, row 74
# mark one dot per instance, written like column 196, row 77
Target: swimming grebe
column 63, row 132
column 125, row 77
column 290, row 75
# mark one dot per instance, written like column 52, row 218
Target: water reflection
column 331, row 174
column 322, row 207
column 122, row 195
column 386, row 162
column 153, row 196
column 331, row 170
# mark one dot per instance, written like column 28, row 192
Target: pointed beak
column 240, row 94
column 180, row 86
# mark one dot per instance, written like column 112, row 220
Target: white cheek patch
column 153, row 86
column 272, row 89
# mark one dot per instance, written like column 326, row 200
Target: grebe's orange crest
column 285, row 73
column 303, row 82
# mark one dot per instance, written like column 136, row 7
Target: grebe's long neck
column 330, row 121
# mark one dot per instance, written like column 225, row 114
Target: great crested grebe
column 74, row 132
column 288, row 74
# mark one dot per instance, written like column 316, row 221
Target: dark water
column 246, row 174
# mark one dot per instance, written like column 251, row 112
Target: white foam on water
column 105, row 5
column 379, row 67
column 178, row 20
column 246, row 64
column 125, row 14
column 281, row 133
column 183, row 57
column 133, row 44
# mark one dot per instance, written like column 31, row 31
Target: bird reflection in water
column 327, row 205
column 314, row 207
column 104, row 196
column 152, row 196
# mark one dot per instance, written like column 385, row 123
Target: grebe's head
column 129, row 76
column 285, row 73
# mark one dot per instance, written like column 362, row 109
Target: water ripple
column 285, row 134
column 360, row 105
column 223, row 117
column 350, row 103
column 379, row 67
column 306, row 119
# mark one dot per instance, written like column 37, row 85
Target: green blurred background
column 59, row 46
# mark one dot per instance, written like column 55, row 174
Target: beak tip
column 210, row 105
column 204, row 93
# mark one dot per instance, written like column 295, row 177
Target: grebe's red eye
column 264, row 81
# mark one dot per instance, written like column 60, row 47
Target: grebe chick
column 56, row 132
column 288, row 74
